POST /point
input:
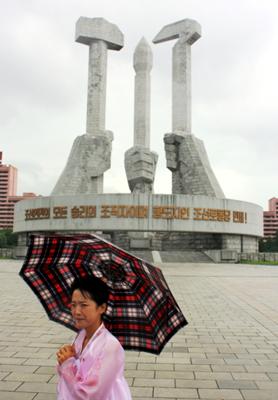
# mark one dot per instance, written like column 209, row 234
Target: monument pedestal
column 148, row 221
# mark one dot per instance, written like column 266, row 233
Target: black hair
column 92, row 286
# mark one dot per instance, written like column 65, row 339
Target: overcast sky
column 43, row 89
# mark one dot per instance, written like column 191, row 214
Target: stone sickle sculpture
column 186, row 155
column 91, row 153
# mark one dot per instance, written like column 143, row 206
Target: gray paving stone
column 228, row 368
column 40, row 362
column 176, row 393
column 15, row 376
column 26, row 355
column 220, row 394
column 142, row 374
column 174, row 374
column 236, row 384
column 260, row 368
column 3, row 375
column 165, row 383
column 201, row 368
column 208, row 361
column 54, row 379
column 273, row 377
column 267, row 385
column 37, row 387
column 12, row 361
column 156, row 367
column 141, row 392
column 45, row 370
column 8, row 353
column 9, row 386
column 17, row 368
column 250, row 376
column 241, row 361
column 259, row 395
column 175, row 360
column 195, row 384
column 46, row 345
column 268, row 363
column 18, row 396
column 213, row 375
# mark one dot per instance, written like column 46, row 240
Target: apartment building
column 8, row 196
column 271, row 218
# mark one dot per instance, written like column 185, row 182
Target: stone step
column 184, row 257
column 174, row 256
column 144, row 254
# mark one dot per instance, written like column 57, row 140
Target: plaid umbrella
column 141, row 311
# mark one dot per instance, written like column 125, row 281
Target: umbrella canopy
column 141, row 311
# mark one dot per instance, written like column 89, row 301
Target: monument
column 196, row 216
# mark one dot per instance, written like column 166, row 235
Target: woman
column 93, row 367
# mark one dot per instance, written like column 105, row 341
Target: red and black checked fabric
column 141, row 312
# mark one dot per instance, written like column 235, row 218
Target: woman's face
column 85, row 311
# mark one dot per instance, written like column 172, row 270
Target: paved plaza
column 229, row 350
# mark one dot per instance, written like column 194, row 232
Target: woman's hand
column 65, row 352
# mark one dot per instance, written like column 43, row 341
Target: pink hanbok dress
column 97, row 372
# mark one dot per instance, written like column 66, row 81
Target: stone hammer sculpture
column 90, row 156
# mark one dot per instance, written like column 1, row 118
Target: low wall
column 7, row 252
column 232, row 256
column 258, row 257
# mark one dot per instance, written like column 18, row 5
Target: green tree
column 7, row 238
column 3, row 239
column 269, row 244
